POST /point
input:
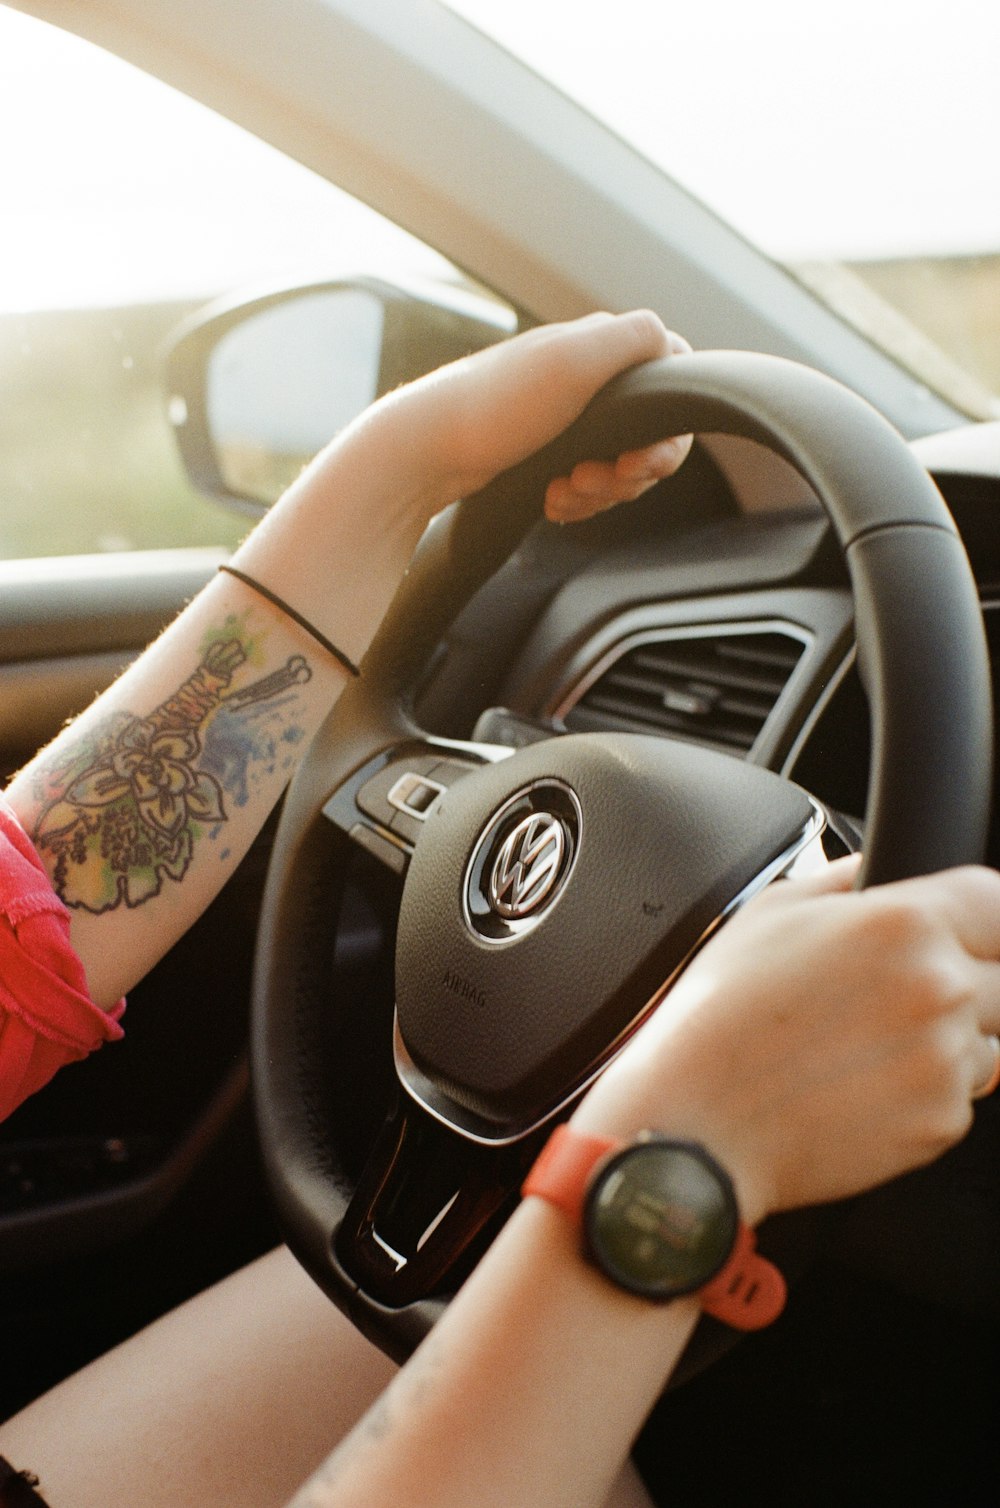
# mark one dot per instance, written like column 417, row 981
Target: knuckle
column 951, row 1123
column 936, row 985
column 972, row 886
column 936, row 1079
column 649, row 322
column 984, row 880
column 949, row 1052
column 928, row 971
column 897, row 921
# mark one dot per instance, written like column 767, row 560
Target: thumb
column 832, row 878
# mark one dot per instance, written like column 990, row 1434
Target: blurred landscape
column 955, row 298
column 88, row 461
column 87, row 458
column 939, row 316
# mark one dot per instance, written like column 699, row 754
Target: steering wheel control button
column 400, row 776
column 393, row 855
column 415, row 795
column 522, row 861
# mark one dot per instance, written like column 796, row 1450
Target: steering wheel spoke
column 425, row 1206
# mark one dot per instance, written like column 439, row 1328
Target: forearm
column 141, row 810
column 339, row 541
column 144, row 805
column 530, row 1390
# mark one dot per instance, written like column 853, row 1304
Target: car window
column 854, row 143
column 124, row 207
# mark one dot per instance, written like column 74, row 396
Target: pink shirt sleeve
column 47, row 1017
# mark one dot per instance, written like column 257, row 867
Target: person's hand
column 826, row 1040
column 473, row 419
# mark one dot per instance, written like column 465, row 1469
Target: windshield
column 858, row 144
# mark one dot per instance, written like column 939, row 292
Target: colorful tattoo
column 123, row 811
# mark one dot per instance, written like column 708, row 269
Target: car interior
column 718, row 612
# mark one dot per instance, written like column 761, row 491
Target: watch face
column 661, row 1218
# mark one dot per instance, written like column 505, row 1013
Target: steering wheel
column 550, row 892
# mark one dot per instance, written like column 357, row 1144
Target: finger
column 836, row 876
column 594, row 486
column 564, row 505
column 966, row 900
column 654, row 462
column 594, row 479
column 986, row 1075
column 612, row 480
column 971, row 901
column 605, row 344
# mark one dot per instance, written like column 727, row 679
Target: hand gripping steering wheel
column 548, row 895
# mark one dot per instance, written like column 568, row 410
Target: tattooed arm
column 144, row 805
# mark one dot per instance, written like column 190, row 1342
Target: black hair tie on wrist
column 294, row 614
column 17, row 1488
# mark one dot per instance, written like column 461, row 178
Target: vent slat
column 715, row 688
column 745, row 707
column 591, row 718
column 783, row 656
column 709, row 669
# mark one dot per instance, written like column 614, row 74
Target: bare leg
column 232, row 1400
column 628, row 1491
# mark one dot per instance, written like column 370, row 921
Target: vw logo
column 522, row 861
column 527, row 866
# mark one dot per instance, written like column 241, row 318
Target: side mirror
column 256, row 387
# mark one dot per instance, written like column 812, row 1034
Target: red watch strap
column 563, row 1169
column 748, row 1293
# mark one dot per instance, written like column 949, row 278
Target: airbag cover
column 550, row 896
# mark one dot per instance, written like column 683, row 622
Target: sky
column 114, row 187
column 853, row 129
column 867, row 128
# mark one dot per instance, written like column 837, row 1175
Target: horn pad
column 552, row 894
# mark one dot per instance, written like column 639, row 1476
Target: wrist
column 659, row 1218
column 363, row 498
column 406, row 435
column 626, row 1101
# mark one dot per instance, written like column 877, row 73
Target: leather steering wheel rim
column 922, row 657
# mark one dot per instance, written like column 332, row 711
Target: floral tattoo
column 122, row 812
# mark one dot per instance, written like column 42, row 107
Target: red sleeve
column 47, row 1017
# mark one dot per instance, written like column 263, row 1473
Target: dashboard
column 700, row 613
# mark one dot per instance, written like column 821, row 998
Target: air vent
column 716, row 687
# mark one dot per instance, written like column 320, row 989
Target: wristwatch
column 659, row 1218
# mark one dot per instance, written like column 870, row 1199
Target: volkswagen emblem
column 522, row 861
column 528, row 865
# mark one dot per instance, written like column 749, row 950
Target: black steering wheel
column 549, row 894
